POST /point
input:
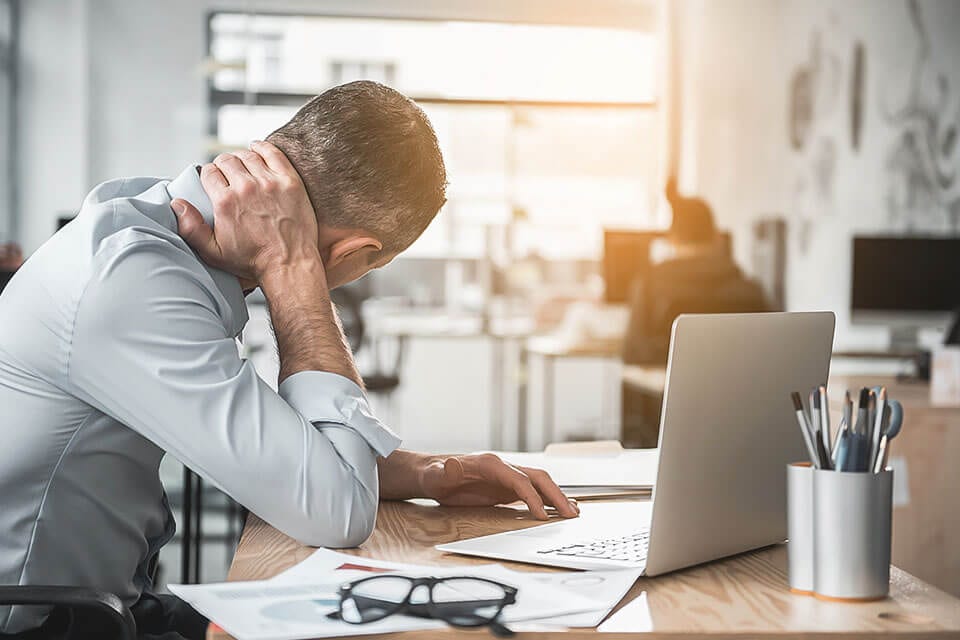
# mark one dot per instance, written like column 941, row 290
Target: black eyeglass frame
column 430, row 609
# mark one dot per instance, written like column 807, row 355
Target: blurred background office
column 612, row 163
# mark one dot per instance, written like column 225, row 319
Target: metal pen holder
column 839, row 527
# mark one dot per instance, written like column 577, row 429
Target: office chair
column 5, row 277
column 385, row 379
column 106, row 608
column 657, row 301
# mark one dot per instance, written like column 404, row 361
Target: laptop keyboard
column 629, row 548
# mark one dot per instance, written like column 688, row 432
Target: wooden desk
column 745, row 595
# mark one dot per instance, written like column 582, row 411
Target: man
column 117, row 344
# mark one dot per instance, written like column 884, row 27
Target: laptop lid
column 728, row 429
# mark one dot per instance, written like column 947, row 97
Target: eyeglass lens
column 372, row 600
column 467, row 602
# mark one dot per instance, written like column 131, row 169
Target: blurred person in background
column 697, row 274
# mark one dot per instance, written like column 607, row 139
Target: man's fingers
column 521, row 485
column 195, row 231
column 274, row 158
column 232, row 168
column 551, row 492
column 253, row 162
column 528, row 493
column 213, row 180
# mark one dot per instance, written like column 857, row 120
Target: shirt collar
column 187, row 186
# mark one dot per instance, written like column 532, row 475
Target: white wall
column 53, row 154
column 739, row 57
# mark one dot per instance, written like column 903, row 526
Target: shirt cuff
column 320, row 396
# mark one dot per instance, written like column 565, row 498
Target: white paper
column 630, row 468
column 262, row 610
column 634, row 617
column 535, row 600
column 605, row 588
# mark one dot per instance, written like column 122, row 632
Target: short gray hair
column 369, row 159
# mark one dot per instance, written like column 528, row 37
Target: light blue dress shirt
column 116, row 345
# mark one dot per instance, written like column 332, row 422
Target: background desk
column 746, row 594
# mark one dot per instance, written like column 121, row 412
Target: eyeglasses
column 458, row 601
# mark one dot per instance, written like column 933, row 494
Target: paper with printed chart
column 295, row 603
column 263, row 610
column 535, row 599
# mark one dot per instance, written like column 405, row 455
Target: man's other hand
column 264, row 221
column 484, row 479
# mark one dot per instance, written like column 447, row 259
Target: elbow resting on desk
column 337, row 503
column 346, row 522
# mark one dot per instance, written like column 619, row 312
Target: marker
column 805, row 429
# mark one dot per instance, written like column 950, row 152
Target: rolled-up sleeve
column 151, row 349
column 340, row 402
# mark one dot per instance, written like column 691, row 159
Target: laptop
column 727, row 431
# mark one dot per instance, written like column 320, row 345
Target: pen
column 856, row 444
column 843, row 432
column 820, row 441
column 841, row 448
column 847, row 408
column 815, row 412
column 824, row 417
column 805, row 429
column 881, row 454
column 823, row 455
column 877, row 462
column 877, row 433
column 862, row 403
column 839, row 443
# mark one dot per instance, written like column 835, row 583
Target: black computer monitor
column 906, row 283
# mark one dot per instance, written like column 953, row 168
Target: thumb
column 195, row 231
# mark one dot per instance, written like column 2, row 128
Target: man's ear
column 354, row 245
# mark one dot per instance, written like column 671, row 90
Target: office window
column 549, row 130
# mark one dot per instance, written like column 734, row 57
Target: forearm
column 401, row 474
column 308, row 331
